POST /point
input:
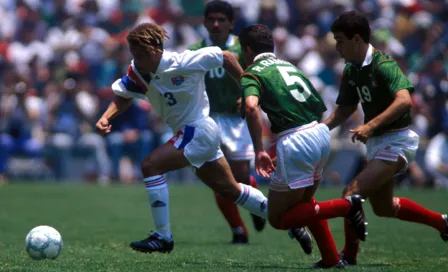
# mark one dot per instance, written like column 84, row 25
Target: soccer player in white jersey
column 174, row 84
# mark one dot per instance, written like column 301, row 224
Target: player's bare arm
column 342, row 113
column 263, row 162
column 231, row 65
column 117, row 106
column 401, row 104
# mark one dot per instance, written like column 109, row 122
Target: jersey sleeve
column 128, row 86
column 347, row 94
column 391, row 76
column 203, row 59
column 250, row 85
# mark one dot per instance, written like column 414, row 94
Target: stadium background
column 58, row 59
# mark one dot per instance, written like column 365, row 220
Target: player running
column 294, row 108
column 374, row 79
column 223, row 93
column 174, row 84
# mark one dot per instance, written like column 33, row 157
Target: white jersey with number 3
column 177, row 90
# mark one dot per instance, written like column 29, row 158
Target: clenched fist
column 103, row 126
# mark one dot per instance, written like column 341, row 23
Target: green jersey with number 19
column 286, row 94
column 374, row 84
column 222, row 90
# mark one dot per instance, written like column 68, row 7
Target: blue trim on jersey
column 131, row 86
column 188, row 136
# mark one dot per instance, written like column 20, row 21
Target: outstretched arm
column 263, row 162
column 401, row 104
column 231, row 65
column 341, row 114
column 117, row 106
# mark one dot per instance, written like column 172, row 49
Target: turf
column 97, row 224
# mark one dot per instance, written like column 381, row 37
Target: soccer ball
column 43, row 242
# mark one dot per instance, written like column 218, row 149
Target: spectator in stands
column 19, row 115
column 436, row 158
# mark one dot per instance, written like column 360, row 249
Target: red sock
column 408, row 210
column 324, row 239
column 351, row 247
column 305, row 213
column 253, row 182
column 231, row 213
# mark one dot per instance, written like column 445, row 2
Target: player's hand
column 362, row 133
column 263, row 164
column 103, row 126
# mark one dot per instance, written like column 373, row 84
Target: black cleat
column 154, row 243
column 346, row 261
column 444, row 235
column 240, row 239
column 356, row 216
column 320, row 265
column 259, row 222
column 303, row 237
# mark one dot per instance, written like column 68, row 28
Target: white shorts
column 392, row 145
column 235, row 137
column 302, row 153
column 200, row 141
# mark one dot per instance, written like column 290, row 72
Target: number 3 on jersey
column 291, row 80
column 169, row 99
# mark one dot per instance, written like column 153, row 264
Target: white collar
column 265, row 55
column 369, row 56
column 165, row 62
column 230, row 41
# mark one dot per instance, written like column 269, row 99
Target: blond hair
column 147, row 36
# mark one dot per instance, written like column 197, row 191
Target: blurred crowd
column 58, row 59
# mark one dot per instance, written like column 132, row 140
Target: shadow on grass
column 261, row 266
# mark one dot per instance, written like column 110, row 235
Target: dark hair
column 147, row 36
column 351, row 23
column 258, row 38
column 218, row 6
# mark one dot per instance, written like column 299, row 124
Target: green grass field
column 98, row 223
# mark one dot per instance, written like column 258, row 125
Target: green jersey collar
column 230, row 41
column 369, row 56
column 264, row 55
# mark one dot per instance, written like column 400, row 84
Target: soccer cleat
column 346, row 261
column 444, row 235
column 356, row 216
column 303, row 237
column 259, row 223
column 154, row 243
column 320, row 265
column 240, row 239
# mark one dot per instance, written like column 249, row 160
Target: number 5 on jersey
column 291, row 80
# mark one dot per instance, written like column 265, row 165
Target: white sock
column 158, row 197
column 253, row 200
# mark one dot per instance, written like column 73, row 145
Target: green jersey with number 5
column 374, row 84
column 222, row 90
column 286, row 94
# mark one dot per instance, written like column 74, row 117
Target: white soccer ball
column 43, row 242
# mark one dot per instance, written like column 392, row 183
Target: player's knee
column 149, row 167
column 275, row 222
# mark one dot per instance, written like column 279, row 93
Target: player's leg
column 385, row 205
column 163, row 159
column 241, row 172
column 230, row 210
column 301, row 157
column 377, row 174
